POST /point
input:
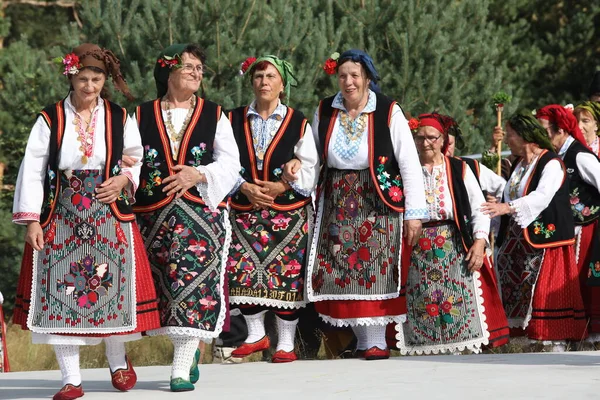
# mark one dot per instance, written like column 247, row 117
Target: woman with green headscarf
column 588, row 118
column 270, row 218
column 537, row 271
column 190, row 165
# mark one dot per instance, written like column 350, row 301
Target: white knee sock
column 68, row 361
column 361, row 337
column 376, row 336
column 115, row 353
column 256, row 327
column 287, row 333
column 183, row 355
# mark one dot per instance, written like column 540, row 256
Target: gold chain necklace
column 176, row 136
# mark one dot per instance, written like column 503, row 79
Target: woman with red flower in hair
column 537, row 270
column 355, row 279
column 270, row 218
column 85, row 277
column 583, row 170
column 451, row 294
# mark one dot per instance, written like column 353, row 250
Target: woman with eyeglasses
column 452, row 299
column 191, row 163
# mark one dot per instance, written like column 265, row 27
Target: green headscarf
column 284, row 68
column 162, row 71
column 592, row 107
column 528, row 127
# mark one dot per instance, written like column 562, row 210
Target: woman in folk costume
column 190, row 164
column 588, row 118
column 85, row 275
column 370, row 206
column 583, row 171
column 452, row 299
column 270, row 218
column 536, row 261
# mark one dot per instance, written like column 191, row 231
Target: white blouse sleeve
column 223, row 173
column 315, row 128
column 410, row 166
column 490, row 182
column 29, row 191
column 306, row 151
column 132, row 147
column 528, row 208
column 589, row 168
column 480, row 223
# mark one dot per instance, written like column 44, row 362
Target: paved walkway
column 572, row 375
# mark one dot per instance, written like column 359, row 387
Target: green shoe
column 181, row 385
column 194, row 371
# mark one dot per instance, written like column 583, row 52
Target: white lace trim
column 48, row 338
column 473, row 345
column 90, row 331
column 205, row 336
column 530, row 309
column 211, row 192
column 578, row 230
column 368, row 321
column 267, row 302
column 522, row 215
column 310, row 294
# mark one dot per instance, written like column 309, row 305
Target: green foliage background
column 451, row 56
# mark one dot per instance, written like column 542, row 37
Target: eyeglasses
column 189, row 68
column 422, row 139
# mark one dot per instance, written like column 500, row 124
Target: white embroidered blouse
column 29, row 191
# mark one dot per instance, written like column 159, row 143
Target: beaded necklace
column 86, row 136
column 353, row 129
column 515, row 182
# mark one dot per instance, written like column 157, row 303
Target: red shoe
column 375, row 353
column 124, row 379
column 69, row 392
column 248, row 348
column 281, row 356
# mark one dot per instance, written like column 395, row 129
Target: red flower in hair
column 167, row 61
column 71, row 64
column 330, row 66
column 413, row 124
column 246, row 64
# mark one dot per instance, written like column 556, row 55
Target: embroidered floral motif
column 87, row 281
column 116, row 170
column 277, row 172
column 546, row 231
column 393, row 186
column 155, row 175
column 51, row 182
column 580, row 210
column 197, row 152
column 594, row 270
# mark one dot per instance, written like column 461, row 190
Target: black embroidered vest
column 279, row 152
column 553, row 227
column 585, row 199
column 455, row 168
column 196, row 149
column 385, row 172
column 114, row 121
column 474, row 165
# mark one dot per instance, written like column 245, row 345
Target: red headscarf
column 564, row 119
column 440, row 122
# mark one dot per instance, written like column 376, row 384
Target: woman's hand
column 412, row 230
column 495, row 209
column 497, row 136
column 183, row 180
column 475, row 255
column 110, row 190
column 257, row 195
column 35, row 235
column 273, row 189
column 128, row 162
column 289, row 170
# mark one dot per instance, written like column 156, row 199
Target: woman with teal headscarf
column 270, row 218
column 190, row 165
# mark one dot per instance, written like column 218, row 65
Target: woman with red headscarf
column 451, row 294
column 583, row 170
column 536, row 260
